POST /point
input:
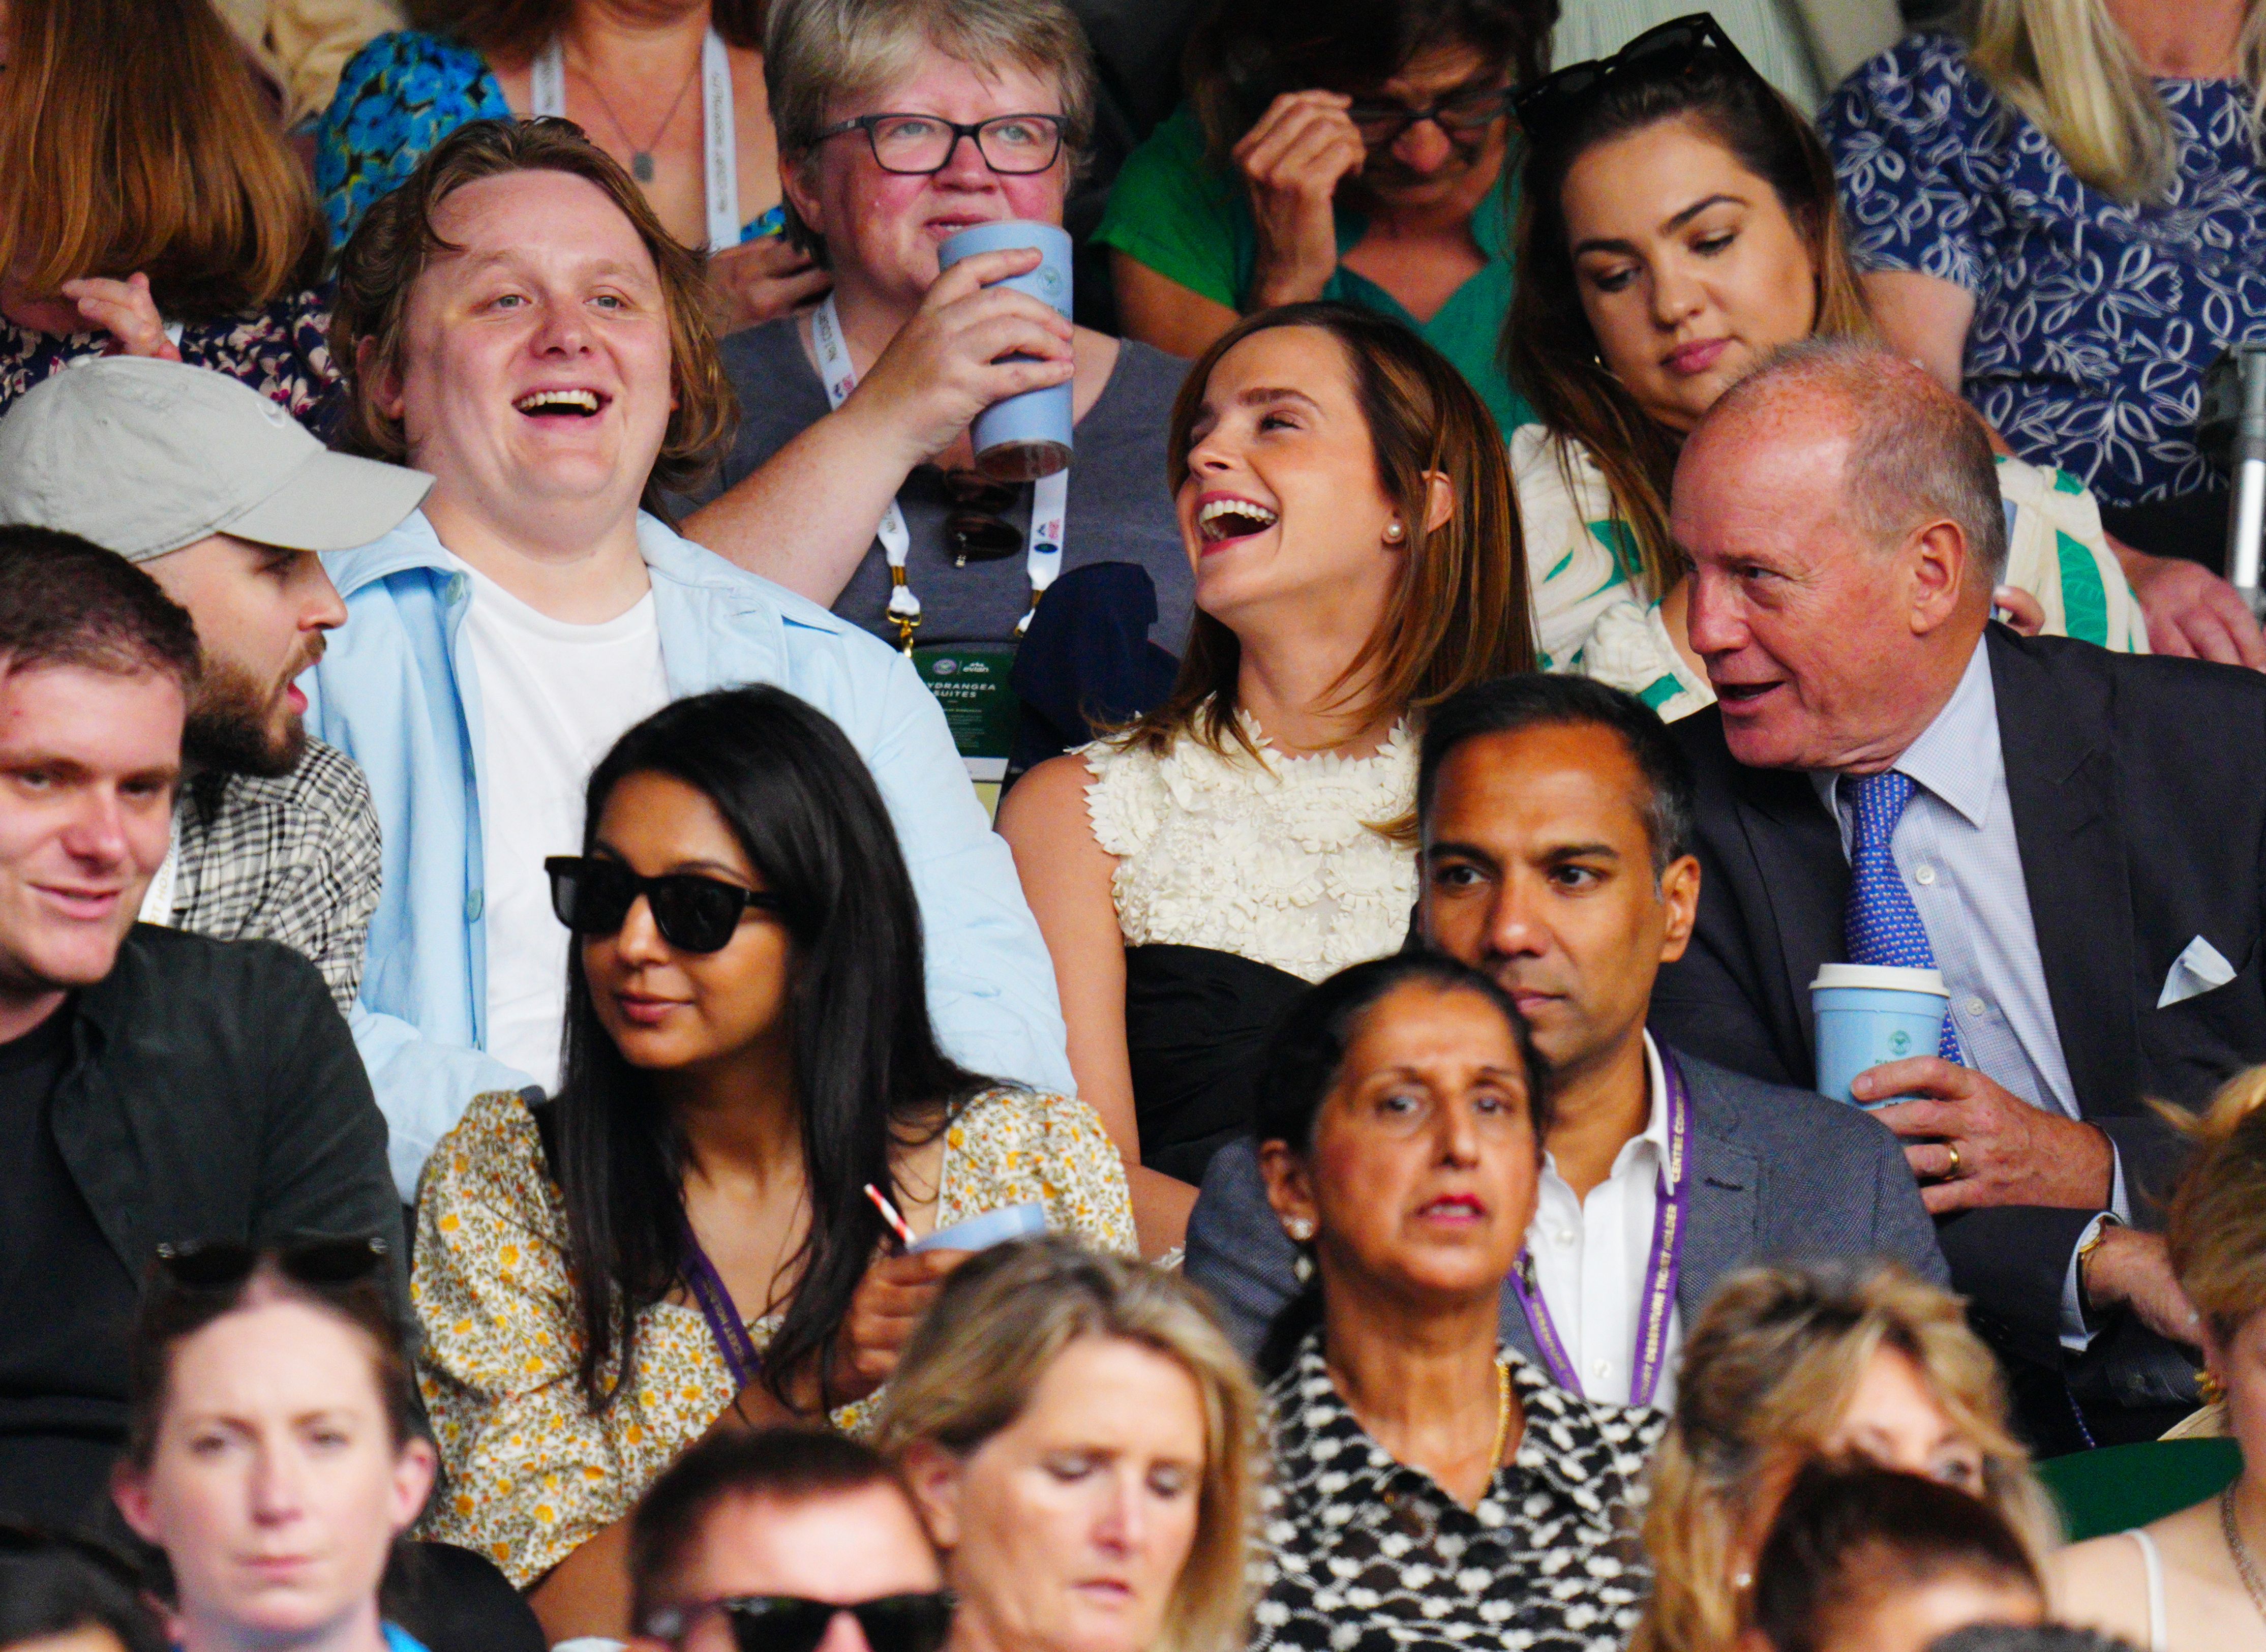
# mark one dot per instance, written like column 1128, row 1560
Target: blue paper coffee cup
column 1026, row 436
column 993, row 1227
column 1867, row 1014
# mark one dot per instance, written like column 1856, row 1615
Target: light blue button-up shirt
column 397, row 691
column 1955, row 847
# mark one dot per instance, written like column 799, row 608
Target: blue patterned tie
column 1883, row 924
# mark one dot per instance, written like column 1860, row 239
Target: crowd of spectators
column 651, row 997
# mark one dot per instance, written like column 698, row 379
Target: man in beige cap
column 224, row 500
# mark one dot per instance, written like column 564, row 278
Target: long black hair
column 1304, row 1058
column 868, row 1072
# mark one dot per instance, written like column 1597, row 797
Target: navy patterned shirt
column 2094, row 320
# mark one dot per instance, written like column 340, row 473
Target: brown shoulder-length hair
column 132, row 137
column 1548, row 349
column 396, row 243
column 1461, row 613
column 518, row 28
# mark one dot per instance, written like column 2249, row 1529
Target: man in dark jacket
column 155, row 1086
column 1555, row 816
column 2073, row 839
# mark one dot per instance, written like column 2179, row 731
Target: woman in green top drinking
column 1357, row 149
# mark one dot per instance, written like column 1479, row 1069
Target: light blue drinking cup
column 1026, row 436
column 1867, row 1014
column 993, row 1227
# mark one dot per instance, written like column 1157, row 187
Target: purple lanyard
column 723, row 1315
column 1659, row 1301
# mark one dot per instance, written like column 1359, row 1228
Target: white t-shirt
column 554, row 697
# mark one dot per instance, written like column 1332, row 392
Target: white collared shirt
column 1590, row 1255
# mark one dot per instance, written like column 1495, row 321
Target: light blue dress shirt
column 1956, row 848
column 397, row 691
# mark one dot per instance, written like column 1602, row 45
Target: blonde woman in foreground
column 2196, row 1579
column 1079, row 1437
column 1787, row 1365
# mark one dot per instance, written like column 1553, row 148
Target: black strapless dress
column 1196, row 1026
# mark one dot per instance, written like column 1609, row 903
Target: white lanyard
column 546, row 94
column 1049, row 498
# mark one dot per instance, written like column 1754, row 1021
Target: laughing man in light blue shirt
column 531, row 338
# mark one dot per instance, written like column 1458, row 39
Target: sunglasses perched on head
column 693, row 914
column 318, row 1263
column 1675, row 47
column 791, row 1623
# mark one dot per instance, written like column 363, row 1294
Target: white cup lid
column 1881, row 977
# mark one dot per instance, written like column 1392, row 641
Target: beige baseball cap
column 144, row 457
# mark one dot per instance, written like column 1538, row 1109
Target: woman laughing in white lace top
column 1344, row 499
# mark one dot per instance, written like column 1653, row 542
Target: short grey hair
column 817, row 51
column 1917, row 453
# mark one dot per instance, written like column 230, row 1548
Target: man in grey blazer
column 1556, row 817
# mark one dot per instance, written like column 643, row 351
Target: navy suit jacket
column 1777, row 1175
column 2138, row 789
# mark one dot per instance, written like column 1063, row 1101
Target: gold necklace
column 1502, row 1415
column 2245, row 1568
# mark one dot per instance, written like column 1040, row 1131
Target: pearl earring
column 1300, row 1229
column 1394, row 533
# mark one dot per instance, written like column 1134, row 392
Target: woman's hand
column 1292, row 162
column 761, row 280
column 889, row 1302
column 126, row 311
column 2016, row 607
column 956, row 356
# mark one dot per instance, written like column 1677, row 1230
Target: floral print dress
column 2093, row 319
column 531, row 1471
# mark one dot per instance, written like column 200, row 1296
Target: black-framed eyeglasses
column 1675, row 47
column 792, row 1623
column 593, row 896
column 976, row 525
column 914, row 144
column 320, row 1262
column 1461, row 114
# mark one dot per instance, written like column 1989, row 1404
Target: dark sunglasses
column 693, row 914
column 1672, row 48
column 1461, row 114
column 976, row 527
column 224, row 1264
column 790, row 1623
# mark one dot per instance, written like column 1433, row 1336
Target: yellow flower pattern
column 533, row 1473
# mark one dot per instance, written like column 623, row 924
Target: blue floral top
column 399, row 96
column 2094, row 320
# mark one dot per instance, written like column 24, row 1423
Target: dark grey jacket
column 214, row 1092
column 1778, row 1175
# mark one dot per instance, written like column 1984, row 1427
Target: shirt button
column 1977, row 1008
column 1564, row 1236
column 1924, row 874
column 475, row 903
column 457, row 586
column 1600, row 1367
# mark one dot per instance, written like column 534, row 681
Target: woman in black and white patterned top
column 1430, row 1488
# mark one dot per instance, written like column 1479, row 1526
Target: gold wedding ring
column 1952, row 1174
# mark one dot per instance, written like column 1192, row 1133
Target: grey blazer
column 1778, row 1175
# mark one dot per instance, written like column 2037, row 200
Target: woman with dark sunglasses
column 853, row 481
column 1679, row 225
column 688, row 1239
column 1355, row 150
column 274, row 1450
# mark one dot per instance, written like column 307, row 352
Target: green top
column 1191, row 223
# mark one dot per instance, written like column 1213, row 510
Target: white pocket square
column 2197, row 969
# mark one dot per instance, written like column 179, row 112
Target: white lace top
column 1277, row 861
